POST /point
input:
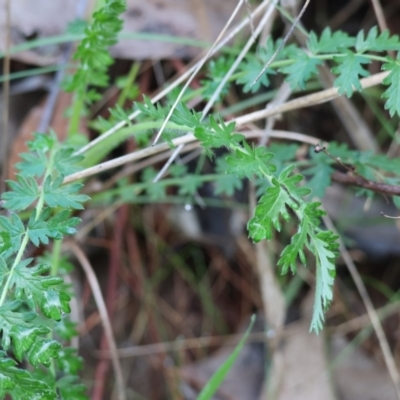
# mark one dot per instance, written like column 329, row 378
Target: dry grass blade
column 189, row 138
column 380, row 16
column 387, row 354
column 307, row 101
column 92, row 279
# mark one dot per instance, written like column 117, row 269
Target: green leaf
column 92, row 51
column 303, row 68
column 350, row 69
column 43, row 228
column 189, row 184
column 220, row 134
column 65, row 162
column 11, row 231
column 43, row 351
column 325, row 248
column 284, row 194
column 250, row 68
column 42, row 143
column 227, row 184
column 17, row 329
column 68, row 361
column 34, row 287
column 216, row 72
column 19, row 384
column 218, row 377
column 328, row 42
column 56, row 195
column 23, row 193
column 392, row 93
column 156, row 111
column 310, row 219
column 373, row 42
column 33, row 164
column 183, row 116
column 155, row 190
column 65, row 328
column 70, row 389
column 248, row 161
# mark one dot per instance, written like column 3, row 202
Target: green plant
column 284, row 195
column 34, row 299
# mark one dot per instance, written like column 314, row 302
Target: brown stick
column 349, row 179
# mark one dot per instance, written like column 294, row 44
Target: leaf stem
column 15, row 263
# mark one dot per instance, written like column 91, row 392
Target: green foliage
column 92, row 51
column 346, row 55
column 29, row 293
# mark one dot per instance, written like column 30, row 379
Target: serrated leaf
column 17, row 329
column 216, row 72
column 329, row 42
column 303, row 68
column 43, row 351
column 36, row 288
column 43, row 228
column 71, row 389
column 324, row 247
column 183, row 116
column 250, row 69
column 295, row 249
column 23, row 193
column 19, row 384
column 220, row 134
column 65, row 328
column 42, row 143
column 56, row 195
column 283, row 195
column 32, row 164
column 11, row 231
column 252, row 65
column 227, row 184
column 249, row 161
column 310, row 219
column 156, row 111
column 392, row 93
column 350, row 69
column 373, row 42
column 68, row 361
column 189, row 184
column 65, row 162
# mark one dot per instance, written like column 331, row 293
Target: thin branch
column 380, row 16
column 358, row 181
column 91, row 277
column 189, row 138
column 307, row 101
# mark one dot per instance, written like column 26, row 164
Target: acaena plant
column 33, row 297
